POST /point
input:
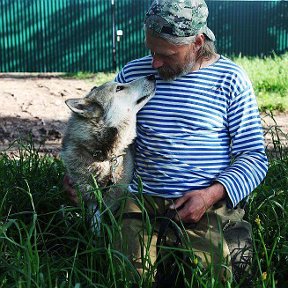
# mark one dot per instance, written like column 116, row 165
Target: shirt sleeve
column 249, row 162
column 120, row 77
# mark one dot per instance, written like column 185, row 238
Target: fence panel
column 43, row 36
column 129, row 19
column 81, row 35
column 249, row 27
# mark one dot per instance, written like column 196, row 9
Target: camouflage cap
column 180, row 18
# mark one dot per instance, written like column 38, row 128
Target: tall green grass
column 45, row 242
column 269, row 76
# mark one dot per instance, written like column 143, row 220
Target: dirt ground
column 33, row 104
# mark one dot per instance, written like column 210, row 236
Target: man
column 199, row 147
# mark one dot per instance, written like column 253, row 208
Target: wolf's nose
column 151, row 77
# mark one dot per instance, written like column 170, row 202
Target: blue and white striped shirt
column 200, row 128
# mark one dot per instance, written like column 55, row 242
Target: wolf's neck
column 111, row 144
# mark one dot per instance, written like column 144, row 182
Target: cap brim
column 208, row 33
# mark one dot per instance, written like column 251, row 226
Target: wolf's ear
column 86, row 109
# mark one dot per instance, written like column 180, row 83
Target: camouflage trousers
column 221, row 238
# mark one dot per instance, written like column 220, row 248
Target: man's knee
column 238, row 236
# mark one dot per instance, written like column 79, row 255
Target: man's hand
column 69, row 190
column 194, row 204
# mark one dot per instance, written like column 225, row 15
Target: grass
column 44, row 242
column 269, row 76
column 98, row 78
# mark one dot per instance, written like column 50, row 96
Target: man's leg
column 238, row 236
column 221, row 239
column 206, row 238
column 139, row 231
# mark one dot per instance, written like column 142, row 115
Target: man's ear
column 199, row 41
column 83, row 108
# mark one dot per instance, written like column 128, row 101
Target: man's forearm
column 214, row 193
column 192, row 206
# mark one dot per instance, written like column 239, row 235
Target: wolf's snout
column 151, row 77
column 147, row 87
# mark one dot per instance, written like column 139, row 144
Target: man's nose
column 156, row 62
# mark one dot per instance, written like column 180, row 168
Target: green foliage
column 268, row 209
column 269, row 76
column 98, row 78
column 26, row 175
column 46, row 243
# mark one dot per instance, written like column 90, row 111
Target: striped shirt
column 197, row 129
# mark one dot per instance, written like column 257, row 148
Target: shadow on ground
column 45, row 134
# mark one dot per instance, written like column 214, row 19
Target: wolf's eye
column 119, row 88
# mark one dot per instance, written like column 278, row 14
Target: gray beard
column 168, row 74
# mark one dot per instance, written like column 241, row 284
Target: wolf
column 97, row 144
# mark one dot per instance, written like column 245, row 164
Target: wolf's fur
column 99, row 131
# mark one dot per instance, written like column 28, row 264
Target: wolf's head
column 114, row 103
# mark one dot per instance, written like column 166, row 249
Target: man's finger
column 69, row 190
column 179, row 202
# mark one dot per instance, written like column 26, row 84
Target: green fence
column 102, row 35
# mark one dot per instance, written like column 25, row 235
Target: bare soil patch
column 34, row 104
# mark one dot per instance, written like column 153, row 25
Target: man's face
column 170, row 60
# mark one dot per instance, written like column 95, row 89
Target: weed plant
column 45, row 242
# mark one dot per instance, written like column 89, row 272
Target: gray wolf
column 98, row 138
